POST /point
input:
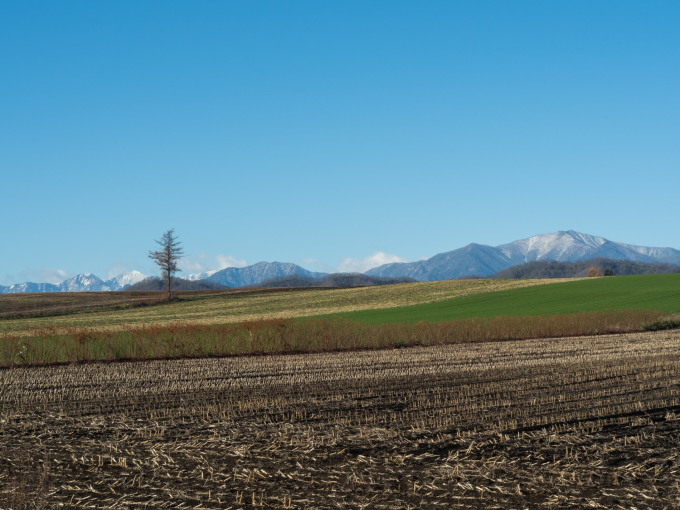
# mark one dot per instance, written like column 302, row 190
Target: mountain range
column 471, row 260
column 563, row 246
column 86, row 282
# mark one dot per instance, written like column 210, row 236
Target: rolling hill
column 642, row 292
column 331, row 280
column 156, row 284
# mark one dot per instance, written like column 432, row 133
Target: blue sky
column 332, row 134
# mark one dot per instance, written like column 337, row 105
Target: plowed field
column 563, row 423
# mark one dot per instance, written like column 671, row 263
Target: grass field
column 645, row 292
column 83, row 310
column 214, row 324
column 571, row 423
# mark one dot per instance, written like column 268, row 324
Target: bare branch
column 167, row 257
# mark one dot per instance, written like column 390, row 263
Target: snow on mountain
column 563, row 246
column 572, row 246
column 257, row 273
column 200, row 276
column 123, row 280
column 230, row 277
column 82, row 283
column 474, row 259
column 645, row 253
column 30, row 287
column 85, row 282
column 88, row 282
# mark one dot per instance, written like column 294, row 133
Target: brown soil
column 567, row 423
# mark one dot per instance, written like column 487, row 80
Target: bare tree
column 167, row 257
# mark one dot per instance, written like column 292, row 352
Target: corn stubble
column 563, row 423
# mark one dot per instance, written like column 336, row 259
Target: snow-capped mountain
column 85, row 282
column 200, row 276
column 123, row 280
column 563, row 246
column 30, row 287
column 88, row 282
column 257, row 273
column 230, row 277
column 571, row 246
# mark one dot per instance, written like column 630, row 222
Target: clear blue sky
column 319, row 131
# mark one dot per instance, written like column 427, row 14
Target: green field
column 645, row 292
column 88, row 310
column 321, row 320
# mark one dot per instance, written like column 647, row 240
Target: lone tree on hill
column 166, row 258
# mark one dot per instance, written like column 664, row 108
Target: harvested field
column 588, row 422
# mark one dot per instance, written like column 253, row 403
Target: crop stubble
column 561, row 423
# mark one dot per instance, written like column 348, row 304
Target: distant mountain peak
column 83, row 282
column 126, row 279
column 257, row 273
column 561, row 245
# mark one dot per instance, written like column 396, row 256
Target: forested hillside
column 592, row 267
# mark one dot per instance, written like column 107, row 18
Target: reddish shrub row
column 301, row 335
